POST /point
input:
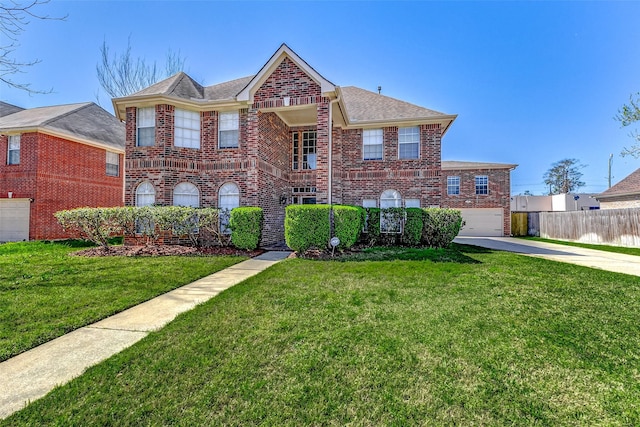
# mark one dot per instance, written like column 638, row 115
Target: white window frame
column 145, row 194
column 186, row 194
column 409, row 136
column 146, row 121
column 369, row 203
column 228, row 199
column 372, row 138
column 411, row 203
column 186, row 125
column 113, row 164
column 13, row 150
column 390, row 199
column 482, row 185
column 229, row 124
column 453, row 185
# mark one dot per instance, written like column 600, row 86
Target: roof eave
column 611, row 196
column 444, row 120
column 120, row 105
column 63, row 135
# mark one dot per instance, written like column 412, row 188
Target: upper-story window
column 146, row 127
column 372, row 144
column 13, row 153
column 228, row 133
column 482, row 184
column 187, row 129
column 113, row 164
column 305, row 147
column 409, row 143
column 453, row 185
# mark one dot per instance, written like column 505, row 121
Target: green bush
column 412, row 231
column 246, row 227
column 95, row 224
column 441, row 226
column 371, row 235
column 347, row 224
column 307, row 226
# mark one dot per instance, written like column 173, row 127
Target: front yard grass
column 45, row 293
column 616, row 249
column 492, row 338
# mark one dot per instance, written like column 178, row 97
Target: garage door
column 482, row 222
column 14, row 220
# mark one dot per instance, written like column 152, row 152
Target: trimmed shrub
column 347, row 224
column 95, row 224
column 246, row 227
column 371, row 234
column 307, row 226
column 441, row 226
column 413, row 224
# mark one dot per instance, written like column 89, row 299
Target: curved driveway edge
column 610, row 261
column 34, row 373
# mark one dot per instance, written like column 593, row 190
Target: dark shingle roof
column 226, row 90
column 86, row 121
column 628, row 186
column 6, row 109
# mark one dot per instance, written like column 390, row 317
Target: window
column 412, row 203
column 13, row 153
column 482, row 184
column 372, row 144
column 409, row 143
column 146, row 127
column 113, row 164
column 304, row 195
column 304, row 155
column 186, row 194
column 369, row 203
column 145, row 196
column 228, row 135
column 228, row 198
column 187, row 129
column 453, row 185
column 390, row 221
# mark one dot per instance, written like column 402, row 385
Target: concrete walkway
column 619, row 263
column 34, row 373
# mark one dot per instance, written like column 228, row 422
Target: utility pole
column 610, row 161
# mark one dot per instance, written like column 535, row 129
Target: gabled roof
column 6, row 109
column 629, row 186
column 456, row 165
column 86, row 122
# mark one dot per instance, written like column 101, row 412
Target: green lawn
column 45, row 293
column 473, row 337
column 616, row 249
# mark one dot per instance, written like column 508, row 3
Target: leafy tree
column 14, row 17
column 564, row 176
column 121, row 75
column 628, row 114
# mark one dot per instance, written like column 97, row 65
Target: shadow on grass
column 454, row 253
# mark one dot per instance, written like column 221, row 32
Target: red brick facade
column 58, row 174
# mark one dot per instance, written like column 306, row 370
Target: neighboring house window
column 305, row 146
column 390, row 222
column 146, row 127
column 409, row 143
column 228, row 134
column 187, row 129
column 372, row 144
column 369, row 203
column 113, row 164
column 453, row 185
column 482, row 184
column 13, row 153
column 145, row 196
column 186, row 194
column 228, row 198
column 412, row 203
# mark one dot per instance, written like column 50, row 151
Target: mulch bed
column 165, row 250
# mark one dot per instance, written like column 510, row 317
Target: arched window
column 145, row 194
column 228, row 198
column 390, row 199
column 186, row 194
column 390, row 220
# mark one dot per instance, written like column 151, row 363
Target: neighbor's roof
column 456, row 165
column 629, row 186
column 6, row 109
column 86, row 121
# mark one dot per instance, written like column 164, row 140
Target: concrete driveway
column 619, row 263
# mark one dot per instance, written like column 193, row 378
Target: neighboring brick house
column 288, row 135
column 625, row 194
column 55, row 158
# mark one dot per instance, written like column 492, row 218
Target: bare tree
column 122, row 75
column 14, row 17
column 564, row 176
column 628, row 114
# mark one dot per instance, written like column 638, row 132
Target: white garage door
column 14, row 220
column 482, row 222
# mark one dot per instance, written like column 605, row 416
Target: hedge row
column 312, row 226
column 199, row 225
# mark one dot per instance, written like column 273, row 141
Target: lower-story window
column 390, row 219
column 228, row 198
column 303, row 195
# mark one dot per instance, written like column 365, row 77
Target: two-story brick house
column 288, row 135
column 54, row 158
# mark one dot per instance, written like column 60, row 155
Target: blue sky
column 532, row 82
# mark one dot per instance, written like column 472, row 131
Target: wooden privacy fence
column 617, row 227
column 525, row 224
